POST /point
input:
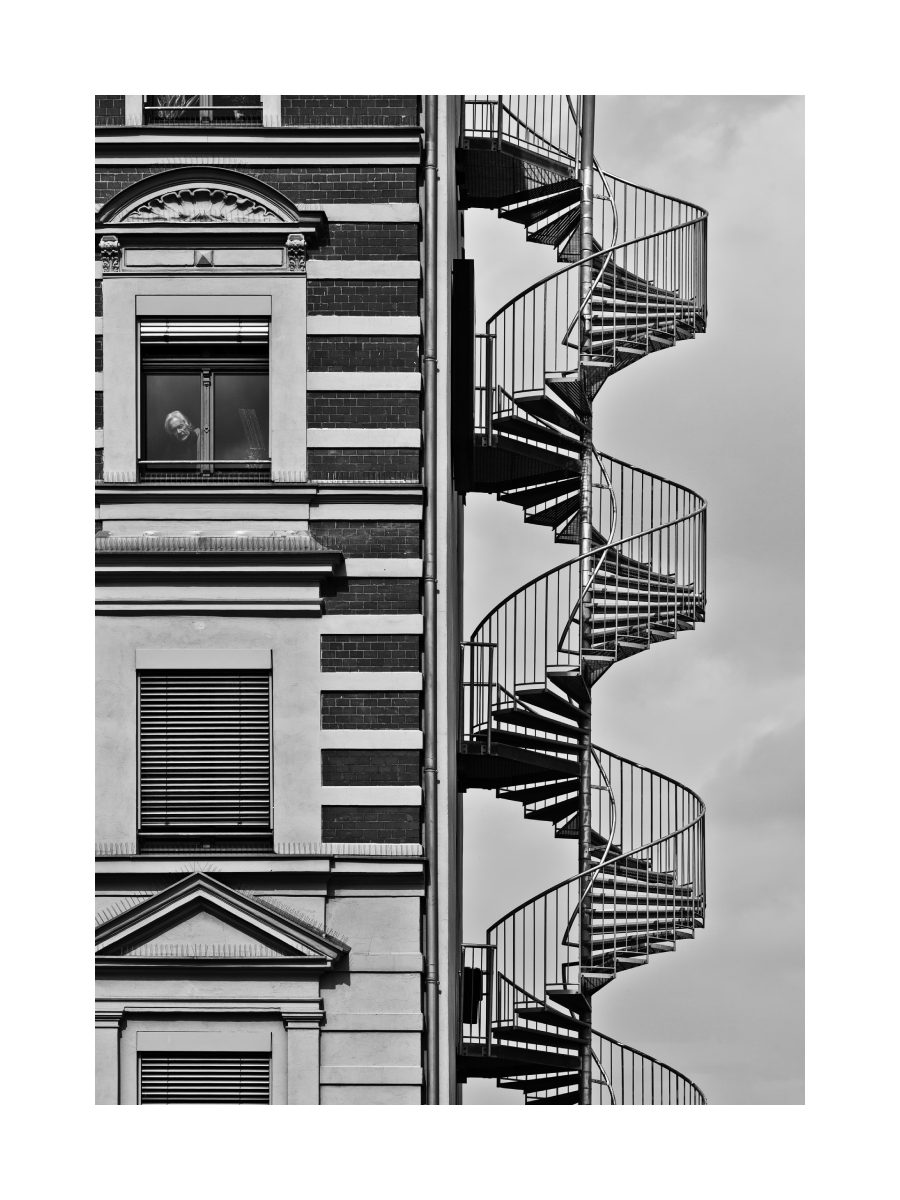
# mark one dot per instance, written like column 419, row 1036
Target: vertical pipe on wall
column 585, row 547
column 432, row 981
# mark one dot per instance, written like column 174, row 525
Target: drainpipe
column 432, row 982
column 585, row 547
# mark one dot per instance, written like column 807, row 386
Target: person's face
column 181, row 428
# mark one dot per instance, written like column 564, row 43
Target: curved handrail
column 605, row 1080
column 644, row 533
column 646, row 1058
column 611, row 861
column 588, row 258
column 609, row 545
column 602, row 174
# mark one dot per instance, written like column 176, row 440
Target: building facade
column 261, row 548
column 292, row 403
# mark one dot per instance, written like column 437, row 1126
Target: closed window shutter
column 204, row 333
column 205, row 1078
column 205, row 751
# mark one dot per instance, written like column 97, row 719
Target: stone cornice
column 297, row 559
column 296, row 543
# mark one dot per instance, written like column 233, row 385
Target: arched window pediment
column 201, row 204
column 210, row 196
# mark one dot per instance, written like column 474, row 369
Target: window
column 203, row 110
column 204, row 760
column 204, row 400
column 204, row 1078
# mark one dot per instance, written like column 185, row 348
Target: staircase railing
column 661, row 550
column 546, row 126
column 653, row 284
column 643, row 581
column 635, row 1078
column 656, row 886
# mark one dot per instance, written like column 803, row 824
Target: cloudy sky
column 720, row 709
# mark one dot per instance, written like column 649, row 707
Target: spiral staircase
column 635, row 288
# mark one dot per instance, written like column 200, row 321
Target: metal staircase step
column 533, row 720
column 554, row 812
column 539, row 433
column 570, row 466
column 508, row 766
column 529, row 497
column 613, row 961
column 562, row 184
column 612, row 585
column 546, row 206
column 641, row 873
column 568, row 996
column 538, row 404
column 532, row 794
column 535, row 1037
column 617, row 886
column 539, row 1085
column 570, row 830
column 556, row 514
column 541, row 696
column 509, row 737
column 571, row 533
column 507, row 1059
column 560, row 1098
column 570, row 681
column 570, row 251
column 530, row 1012
column 574, row 389
column 558, row 231
column 615, row 608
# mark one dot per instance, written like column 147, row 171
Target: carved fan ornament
column 201, row 204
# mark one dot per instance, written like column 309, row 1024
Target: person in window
column 179, row 429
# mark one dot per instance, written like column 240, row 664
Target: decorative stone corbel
column 296, row 250
column 110, row 252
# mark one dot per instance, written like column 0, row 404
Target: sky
column 721, row 708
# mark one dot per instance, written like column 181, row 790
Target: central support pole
column 585, row 546
column 429, row 582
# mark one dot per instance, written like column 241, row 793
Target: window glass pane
column 241, row 406
column 172, row 416
column 237, row 101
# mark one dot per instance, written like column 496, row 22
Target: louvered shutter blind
column 205, row 1078
column 201, row 332
column 205, row 751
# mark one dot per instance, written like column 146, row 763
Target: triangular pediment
column 202, row 918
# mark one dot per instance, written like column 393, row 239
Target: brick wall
column 368, row 410
column 370, row 539
column 364, row 463
column 370, row 239
column 371, row 768
column 369, row 596
column 349, row 110
column 363, row 297
column 110, row 110
column 110, row 180
column 370, row 652
column 98, row 410
column 370, row 710
column 371, row 823
column 304, row 185
column 356, row 353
